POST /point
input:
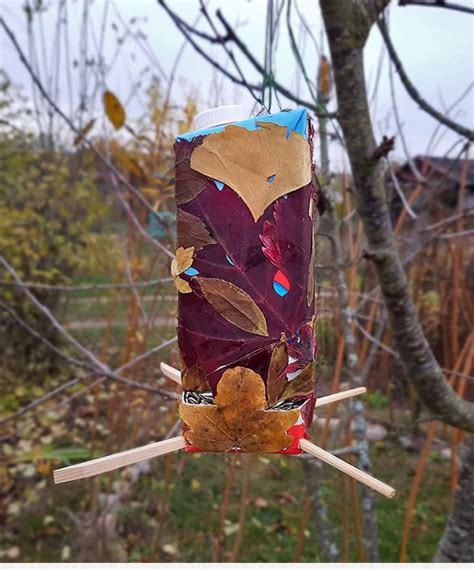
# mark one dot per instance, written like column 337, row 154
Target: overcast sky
column 435, row 45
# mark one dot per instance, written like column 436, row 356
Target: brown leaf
column 193, row 378
column 192, row 231
column 302, row 385
column 238, row 420
column 183, row 261
column 114, row 109
column 189, row 183
column 259, row 165
column 84, row 132
column 234, row 305
column 276, row 379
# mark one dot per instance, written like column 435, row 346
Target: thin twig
column 412, row 91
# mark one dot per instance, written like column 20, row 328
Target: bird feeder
column 244, row 272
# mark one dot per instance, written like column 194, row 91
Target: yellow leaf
column 260, row 165
column 183, row 261
column 114, row 109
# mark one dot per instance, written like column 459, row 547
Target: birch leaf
column 259, row 165
column 238, row 420
column 114, row 109
column 234, row 305
column 276, row 378
column 192, row 232
column 302, row 385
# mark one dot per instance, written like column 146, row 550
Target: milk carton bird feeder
column 244, row 270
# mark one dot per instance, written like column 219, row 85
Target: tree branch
column 417, row 359
column 437, row 4
column 413, row 92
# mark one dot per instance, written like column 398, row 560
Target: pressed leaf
column 192, row 231
column 276, row 379
column 238, row 419
column 183, row 261
column 311, row 272
column 302, row 385
column 193, row 378
column 234, row 305
column 189, row 183
column 259, row 165
column 184, row 258
column 86, row 129
column 114, row 109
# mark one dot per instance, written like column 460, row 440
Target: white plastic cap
column 222, row 116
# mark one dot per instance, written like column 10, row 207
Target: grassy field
column 172, row 512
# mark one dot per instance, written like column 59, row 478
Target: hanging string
column 271, row 31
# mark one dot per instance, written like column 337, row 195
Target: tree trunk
column 457, row 544
column 348, row 23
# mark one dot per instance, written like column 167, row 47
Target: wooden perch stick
column 347, row 468
column 121, row 459
column 325, row 400
column 171, row 373
column 175, row 375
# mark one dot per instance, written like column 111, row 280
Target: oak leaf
column 234, row 305
column 238, row 419
column 260, row 165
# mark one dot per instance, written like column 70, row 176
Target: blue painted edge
column 295, row 120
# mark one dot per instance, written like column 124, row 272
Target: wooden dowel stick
column 171, row 373
column 347, row 468
column 121, row 459
column 325, row 400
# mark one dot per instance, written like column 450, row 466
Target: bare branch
column 84, row 139
column 413, row 92
column 437, row 4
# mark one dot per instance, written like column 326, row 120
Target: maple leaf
column 183, row 261
column 260, row 165
column 238, row 420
